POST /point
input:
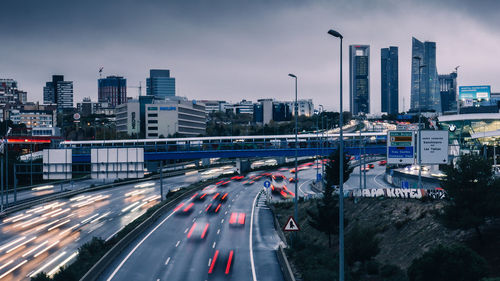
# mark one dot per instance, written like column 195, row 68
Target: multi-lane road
column 235, row 240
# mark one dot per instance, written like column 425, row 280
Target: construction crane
column 138, row 87
column 100, row 72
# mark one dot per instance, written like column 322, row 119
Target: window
column 153, row 115
column 152, row 121
column 153, row 128
column 152, row 108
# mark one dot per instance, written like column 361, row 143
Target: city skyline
column 247, row 58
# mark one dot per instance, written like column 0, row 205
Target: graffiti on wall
column 414, row 193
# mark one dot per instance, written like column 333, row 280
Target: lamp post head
column 292, row 75
column 335, row 34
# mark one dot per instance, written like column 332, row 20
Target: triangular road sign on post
column 291, row 225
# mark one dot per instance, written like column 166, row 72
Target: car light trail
column 32, row 221
column 46, row 265
column 60, row 212
column 144, row 185
column 22, row 244
column 130, row 206
column 89, row 218
column 178, row 207
column 12, row 218
column 51, row 212
column 6, row 264
column 138, row 207
column 12, row 269
column 103, row 215
column 34, row 249
column 191, row 230
column 210, row 270
column 204, row 231
column 55, row 269
column 69, row 229
column 218, row 207
column 188, row 207
column 228, row 267
column 58, row 225
column 12, row 243
column 233, row 218
column 46, row 249
column 45, row 187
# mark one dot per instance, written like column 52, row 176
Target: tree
column 471, row 191
column 448, row 263
column 326, row 216
column 332, row 169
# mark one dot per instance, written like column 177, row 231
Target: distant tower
column 113, row 90
column 58, row 92
column 359, row 79
column 428, row 96
column 389, row 80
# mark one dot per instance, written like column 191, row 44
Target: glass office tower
column 359, row 79
column 160, row 84
column 425, row 94
column 389, row 80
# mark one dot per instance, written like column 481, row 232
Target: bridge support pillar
column 242, row 165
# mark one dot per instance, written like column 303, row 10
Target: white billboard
column 434, row 146
column 57, row 164
column 117, row 163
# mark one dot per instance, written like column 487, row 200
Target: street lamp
column 341, row 172
column 296, row 144
column 419, row 119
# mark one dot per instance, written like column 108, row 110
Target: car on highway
column 277, row 183
column 237, row 219
column 222, row 183
column 213, row 208
column 221, row 197
column 198, row 230
column 365, row 168
column 371, row 166
column 199, row 197
column 382, row 162
column 221, row 262
column 237, row 178
column 184, row 208
column 292, row 179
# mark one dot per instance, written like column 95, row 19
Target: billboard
column 400, row 149
column 434, row 145
column 474, row 92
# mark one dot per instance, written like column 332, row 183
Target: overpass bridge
column 235, row 146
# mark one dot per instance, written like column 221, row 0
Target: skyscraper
column 448, row 91
column 113, row 90
column 424, row 78
column 58, row 92
column 359, row 79
column 389, row 80
column 160, row 84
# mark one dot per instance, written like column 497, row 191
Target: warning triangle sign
column 291, row 225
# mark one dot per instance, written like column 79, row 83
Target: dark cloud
column 239, row 49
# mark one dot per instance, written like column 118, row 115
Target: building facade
column 359, row 79
column 389, row 76
column 448, row 92
column 164, row 118
column 58, row 92
column 112, row 90
column 425, row 94
column 160, row 84
column 128, row 118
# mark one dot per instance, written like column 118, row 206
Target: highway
column 47, row 236
column 170, row 250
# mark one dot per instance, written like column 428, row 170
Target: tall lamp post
column 420, row 66
column 341, row 169
column 296, row 144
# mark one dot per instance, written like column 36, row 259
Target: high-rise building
column 160, row 84
column 389, row 80
column 359, row 79
column 58, row 92
column 425, row 93
column 113, row 90
column 448, row 92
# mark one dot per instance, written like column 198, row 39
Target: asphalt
column 164, row 252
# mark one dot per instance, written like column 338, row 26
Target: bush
column 448, row 263
column 361, row 244
column 391, row 272
column 372, row 267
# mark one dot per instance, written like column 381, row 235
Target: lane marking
column 167, row 261
column 218, row 231
column 209, row 261
column 137, row 246
column 185, row 231
column 250, row 239
column 300, row 187
column 375, row 179
column 222, row 221
column 213, row 245
column 178, row 242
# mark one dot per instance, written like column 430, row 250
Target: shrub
column 448, row 263
column 361, row 244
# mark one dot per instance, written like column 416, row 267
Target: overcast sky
column 232, row 49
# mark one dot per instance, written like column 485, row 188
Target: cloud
column 240, row 49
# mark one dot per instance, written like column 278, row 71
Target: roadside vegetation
column 389, row 239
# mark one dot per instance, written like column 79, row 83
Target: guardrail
column 284, row 264
column 65, row 194
column 98, row 268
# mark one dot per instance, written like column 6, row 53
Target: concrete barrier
column 103, row 263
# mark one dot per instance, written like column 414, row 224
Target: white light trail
column 22, row 244
column 58, row 225
column 34, row 249
column 89, row 218
column 130, row 206
column 55, row 269
column 103, row 215
column 46, row 265
column 43, row 187
column 12, row 269
column 6, row 264
column 12, row 243
column 138, row 207
column 46, row 249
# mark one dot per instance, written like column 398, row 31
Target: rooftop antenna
column 100, row 72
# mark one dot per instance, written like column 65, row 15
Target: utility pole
column 457, row 96
column 161, row 180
